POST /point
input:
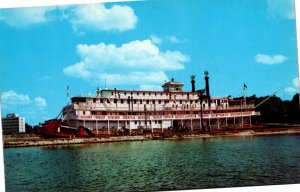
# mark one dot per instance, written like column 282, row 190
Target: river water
column 155, row 165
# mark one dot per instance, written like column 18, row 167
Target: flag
column 68, row 92
column 245, row 86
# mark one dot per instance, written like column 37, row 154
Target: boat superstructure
column 135, row 111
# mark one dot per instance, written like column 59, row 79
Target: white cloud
column 40, row 102
column 173, row 39
column 77, row 70
column 98, row 17
column 290, row 90
column 133, row 78
column 151, row 87
column 22, row 104
column 270, row 59
column 87, row 17
column 294, row 88
column 12, row 98
column 133, row 55
column 136, row 62
column 296, row 82
column 24, row 17
column 156, row 40
column 282, row 8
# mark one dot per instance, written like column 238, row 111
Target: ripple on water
column 155, row 165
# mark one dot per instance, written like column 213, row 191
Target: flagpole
column 68, row 93
column 244, row 93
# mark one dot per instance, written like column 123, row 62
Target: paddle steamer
column 135, row 111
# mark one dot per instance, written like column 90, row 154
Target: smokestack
column 207, row 88
column 193, row 82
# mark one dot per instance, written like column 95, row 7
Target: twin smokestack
column 207, row 94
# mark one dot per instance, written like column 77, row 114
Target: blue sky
column 139, row 45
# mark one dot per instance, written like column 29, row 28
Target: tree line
column 276, row 110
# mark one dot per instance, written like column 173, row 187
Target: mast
column 68, row 93
column 245, row 93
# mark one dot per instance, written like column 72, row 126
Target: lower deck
column 152, row 125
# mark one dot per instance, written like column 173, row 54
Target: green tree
column 28, row 128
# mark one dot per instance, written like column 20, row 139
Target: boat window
column 122, row 101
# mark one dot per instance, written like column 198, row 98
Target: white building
column 13, row 123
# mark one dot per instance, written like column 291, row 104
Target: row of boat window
column 151, row 101
column 160, row 101
column 150, row 113
column 140, row 101
column 148, row 122
column 151, row 93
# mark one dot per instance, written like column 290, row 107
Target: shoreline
column 12, row 142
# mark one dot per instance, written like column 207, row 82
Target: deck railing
column 149, row 107
column 160, row 117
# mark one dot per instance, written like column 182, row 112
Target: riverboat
column 130, row 112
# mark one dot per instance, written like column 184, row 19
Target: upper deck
column 172, row 98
